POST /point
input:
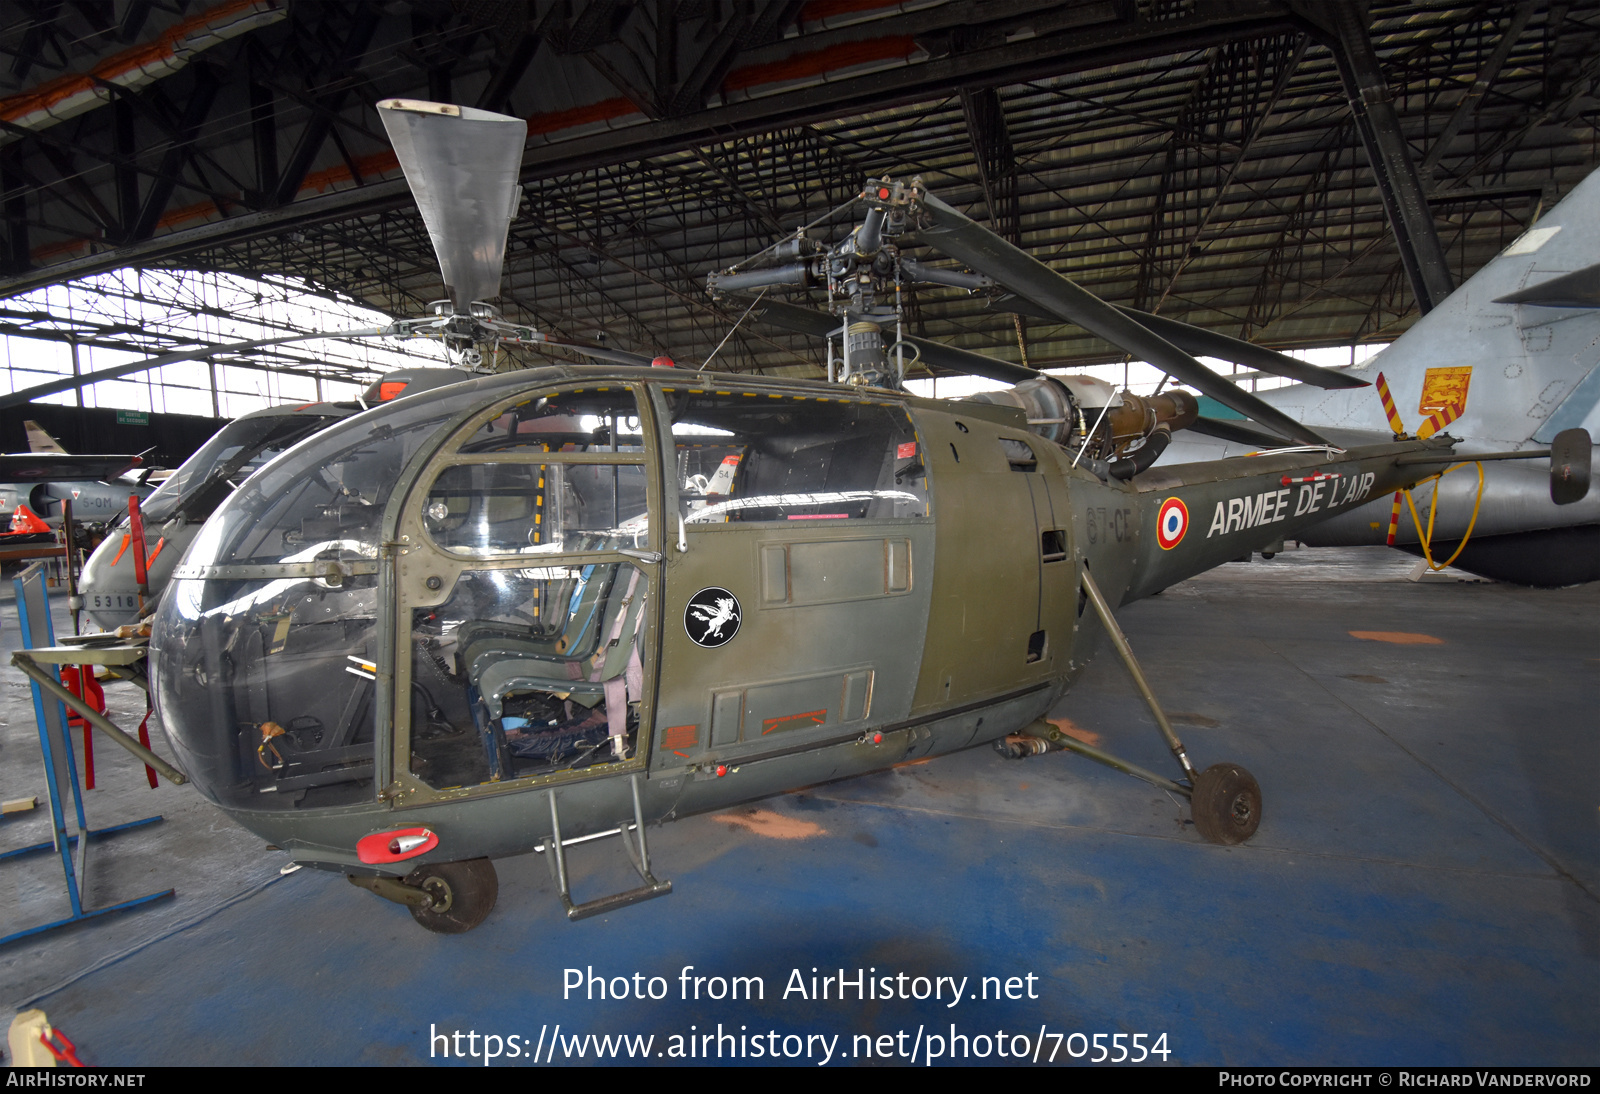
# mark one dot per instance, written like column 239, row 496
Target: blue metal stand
column 61, row 767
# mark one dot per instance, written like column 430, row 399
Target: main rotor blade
column 1206, row 343
column 599, row 353
column 38, row 391
column 805, row 321
column 1238, row 432
column 966, row 241
column 793, row 318
column 955, row 359
column 462, row 165
column 1197, row 340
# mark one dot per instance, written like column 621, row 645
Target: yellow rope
column 1426, row 538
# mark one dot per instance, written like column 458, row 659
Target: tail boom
column 1199, row 515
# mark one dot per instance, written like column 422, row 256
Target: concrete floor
column 1424, row 889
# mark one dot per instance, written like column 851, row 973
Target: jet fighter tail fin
column 1502, row 359
column 41, row 441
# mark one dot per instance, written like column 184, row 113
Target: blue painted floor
column 1424, row 889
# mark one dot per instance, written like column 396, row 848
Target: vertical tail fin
column 40, row 441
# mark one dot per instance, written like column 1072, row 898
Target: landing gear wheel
column 463, row 894
column 1226, row 804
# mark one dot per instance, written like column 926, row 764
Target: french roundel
column 1172, row 523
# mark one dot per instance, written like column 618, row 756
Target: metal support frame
column 656, row 205
column 1479, row 87
column 60, row 766
column 1398, row 179
column 179, row 152
column 640, row 857
column 327, row 105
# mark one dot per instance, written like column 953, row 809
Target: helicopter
column 540, row 607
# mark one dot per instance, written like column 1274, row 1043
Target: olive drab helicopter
column 542, row 606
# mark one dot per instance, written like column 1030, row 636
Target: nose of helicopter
column 265, row 646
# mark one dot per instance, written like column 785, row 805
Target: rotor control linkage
column 556, row 848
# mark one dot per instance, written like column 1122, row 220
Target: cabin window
column 528, row 672
column 743, row 457
column 264, row 654
column 326, row 501
column 560, row 472
column 596, row 419
column 266, row 688
column 232, row 455
column 484, row 509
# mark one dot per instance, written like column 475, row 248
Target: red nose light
column 877, row 738
column 395, row 845
column 722, row 769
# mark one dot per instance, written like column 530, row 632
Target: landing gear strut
column 445, row 897
column 1224, row 799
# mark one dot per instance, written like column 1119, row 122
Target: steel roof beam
column 364, row 25
column 1379, row 126
column 1009, row 62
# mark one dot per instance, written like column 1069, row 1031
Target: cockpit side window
column 487, row 509
column 745, row 456
column 595, row 419
column 560, row 472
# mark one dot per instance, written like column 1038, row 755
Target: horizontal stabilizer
column 1578, row 289
column 63, row 467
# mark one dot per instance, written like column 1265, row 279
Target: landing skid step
column 639, row 855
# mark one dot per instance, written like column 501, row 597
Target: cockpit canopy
column 527, row 500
